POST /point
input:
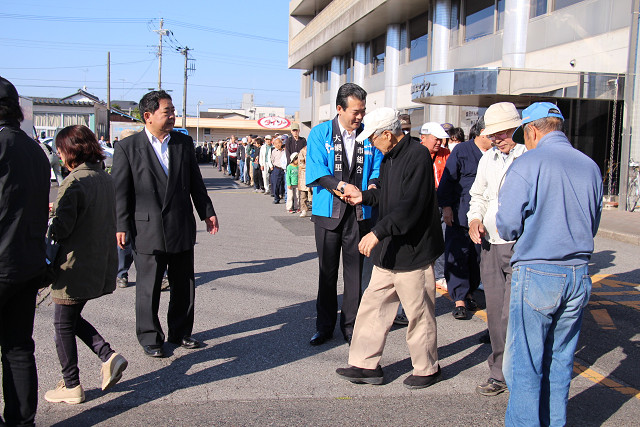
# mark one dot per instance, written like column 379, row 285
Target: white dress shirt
column 349, row 142
column 484, row 192
column 161, row 148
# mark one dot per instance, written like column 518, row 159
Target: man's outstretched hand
column 212, row 224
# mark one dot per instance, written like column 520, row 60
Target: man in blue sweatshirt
column 550, row 202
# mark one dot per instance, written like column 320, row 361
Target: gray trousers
column 495, row 271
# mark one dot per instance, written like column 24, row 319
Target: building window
column 559, row 4
column 346, row 69
column 478, row 18
column 403, row 44
column 501, row 14
column 207, row 131
column 379, row 45
column 454, row 24
column 367, row 55
column 538, row 7
column 323, row 77
column 418, row 37
column 308, row 83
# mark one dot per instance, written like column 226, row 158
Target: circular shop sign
column 274, row 122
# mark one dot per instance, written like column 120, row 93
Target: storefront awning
column 482, row 87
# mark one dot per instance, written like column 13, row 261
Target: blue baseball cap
column 535, row 111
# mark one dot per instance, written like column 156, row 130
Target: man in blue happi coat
column 336, row 163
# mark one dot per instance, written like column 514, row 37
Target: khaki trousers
column 417, row 291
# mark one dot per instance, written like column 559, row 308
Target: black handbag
column 52, row 248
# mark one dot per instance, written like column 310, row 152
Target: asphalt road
column 255, row 312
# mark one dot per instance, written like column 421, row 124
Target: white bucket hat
column 500, row 117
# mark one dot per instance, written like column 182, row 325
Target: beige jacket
column 302, row 169
column 84, row 223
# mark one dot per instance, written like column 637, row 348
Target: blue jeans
column 545, row 315
column 241, row 169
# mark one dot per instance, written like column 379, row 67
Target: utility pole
column 161, row 32
column 108, row 132
column 187, row 68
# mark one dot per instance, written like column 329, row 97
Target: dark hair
column 477, row 128
column 79, row 145
column 259, row 140
column 10, row 110
column 150, row 102
column 456, row 133
column 347, row 90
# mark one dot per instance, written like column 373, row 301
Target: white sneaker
column 112, row 370
column 441, row 284
column 62, row 394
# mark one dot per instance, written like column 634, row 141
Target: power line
column 94, row 20
column 225, row 32
column 73, row 66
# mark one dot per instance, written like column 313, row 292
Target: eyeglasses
column 500, row 136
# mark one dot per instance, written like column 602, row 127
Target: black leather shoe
column 153, row 350
column 186, row 342
column 320, row 338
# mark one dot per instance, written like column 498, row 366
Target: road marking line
column 597, row 378
column 603, row 303
column 611, row 293
column 598, row 280
column 602, row 318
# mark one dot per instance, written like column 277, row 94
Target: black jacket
column 24, row 205
column 408, row 227
column 155, row 210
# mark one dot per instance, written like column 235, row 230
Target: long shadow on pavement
column 275, row 345
column 256, row 266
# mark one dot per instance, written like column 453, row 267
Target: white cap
column 244, row 139
column 435, row 129
column 377, row 119
column 267, row 137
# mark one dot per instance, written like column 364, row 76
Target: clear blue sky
column 52, row 48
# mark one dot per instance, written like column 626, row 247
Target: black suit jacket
column 155, row 210
column 24, row 198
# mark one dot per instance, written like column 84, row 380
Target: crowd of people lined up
column 514, row 206
column 273, row 165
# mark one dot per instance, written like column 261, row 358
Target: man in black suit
column 24, row 197
column 157, row 177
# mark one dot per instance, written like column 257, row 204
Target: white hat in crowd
column 435, row 129
column 500, row 117
column 377, row 119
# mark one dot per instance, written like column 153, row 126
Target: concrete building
column 447, row 60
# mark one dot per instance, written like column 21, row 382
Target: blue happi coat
column 320, row 162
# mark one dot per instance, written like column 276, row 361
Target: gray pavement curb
column 634, row 239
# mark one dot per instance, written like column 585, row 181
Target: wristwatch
column 343, row 187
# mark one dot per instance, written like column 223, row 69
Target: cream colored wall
column 605, row 53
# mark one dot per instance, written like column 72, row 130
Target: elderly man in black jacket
column 403, row 246
column 24, row 198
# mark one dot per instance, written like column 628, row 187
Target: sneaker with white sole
column 112, row 369
column 62, row 394
column 492, row 387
